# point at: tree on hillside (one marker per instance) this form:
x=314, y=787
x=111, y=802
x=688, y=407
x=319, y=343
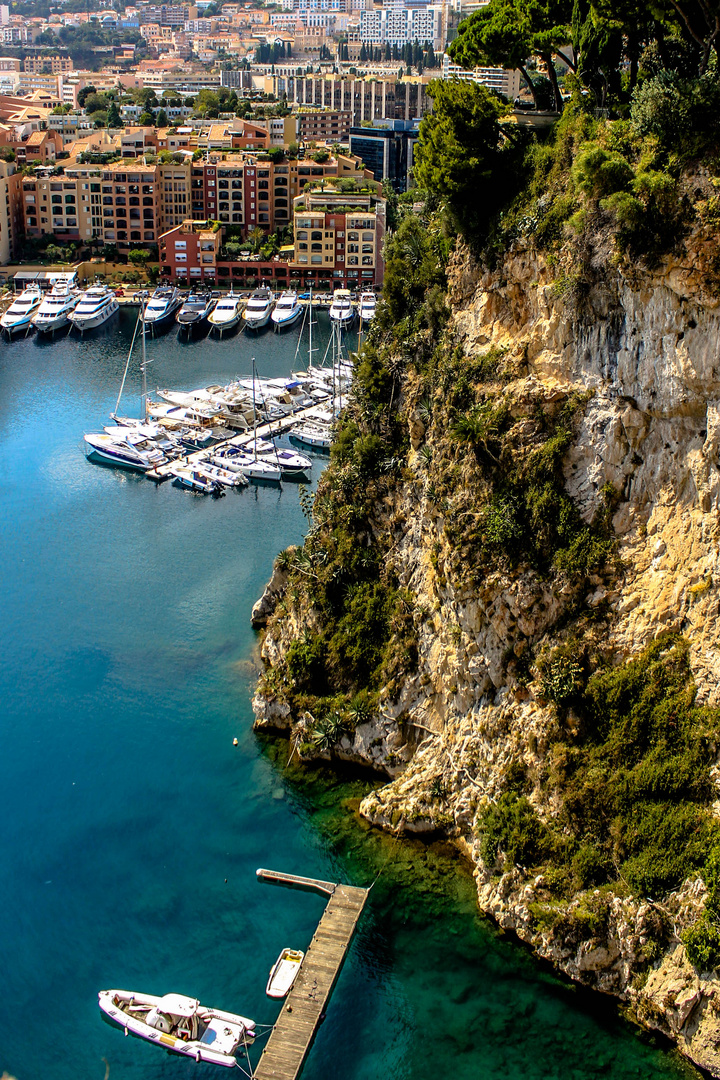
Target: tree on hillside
x=464, y=155
x=162, y=119
x=113, y=116
x=146, y=119
x=84, y=94
x=507, y=32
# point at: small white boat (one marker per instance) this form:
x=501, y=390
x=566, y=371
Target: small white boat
x=54, y=312
x=161, y=307
x=96, y=306
x=368, y=304
x=194, y=478
x=312, y=436
x=342, y=313
x=284, y=973
x=214, y=471
x=226, y=313
x=287, y=311
x=253, y=467
x=179, y=1024
x=257, y=310
x=20, y=314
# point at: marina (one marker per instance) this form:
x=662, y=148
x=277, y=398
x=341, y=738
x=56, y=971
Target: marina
x=217, y=437
x=137, y=826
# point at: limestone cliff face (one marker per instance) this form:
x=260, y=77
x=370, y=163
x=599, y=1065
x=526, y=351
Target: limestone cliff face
x=648, y=347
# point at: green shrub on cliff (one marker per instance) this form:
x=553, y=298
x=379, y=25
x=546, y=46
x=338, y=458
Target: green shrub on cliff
x=630, y=778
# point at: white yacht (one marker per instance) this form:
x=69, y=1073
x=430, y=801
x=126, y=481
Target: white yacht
x=312, y=436
x=161, y=307
x=177, y=1023
x=257, y=310
x=226, y=313
x=96, y=306
x=287, y=311
x=368, y=304
x=124, y=451
x=342, y=313
x=54, y=312
x=20, y=314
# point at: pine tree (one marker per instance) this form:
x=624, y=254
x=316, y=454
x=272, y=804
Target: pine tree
x=363, y=53
x=113, y=116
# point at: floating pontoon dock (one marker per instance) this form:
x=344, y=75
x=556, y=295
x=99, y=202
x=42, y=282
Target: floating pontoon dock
x=243, y=440
x=304, y=1007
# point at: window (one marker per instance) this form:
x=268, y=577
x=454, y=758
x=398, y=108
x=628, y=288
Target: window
x=316, y=260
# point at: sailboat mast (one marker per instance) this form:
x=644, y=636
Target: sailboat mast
x=310, y=346
x=254, y=409
x=143, y=367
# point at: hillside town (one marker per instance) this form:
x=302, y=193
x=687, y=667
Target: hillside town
x=150, y=134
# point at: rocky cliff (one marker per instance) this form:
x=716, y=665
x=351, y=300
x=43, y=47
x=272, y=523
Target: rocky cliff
x=633, y=362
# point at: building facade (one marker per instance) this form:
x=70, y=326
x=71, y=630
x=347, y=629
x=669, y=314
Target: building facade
x=387, y=149
x=11, y=212
x=338, y=239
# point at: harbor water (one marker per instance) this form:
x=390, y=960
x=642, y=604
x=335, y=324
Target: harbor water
x=131, y=827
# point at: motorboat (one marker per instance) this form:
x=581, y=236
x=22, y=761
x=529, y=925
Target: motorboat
x=342, y=313
x=195, y=311
x=257, y=310
x=284, y=972
x=96, y=305
x=192, y=478
x=226, y=313
x=19, y=315
x=287, y=311
x=250, y=465
x=179, y=1024
x=124, y=452
x=161, y=307
x=312, y=436
x=54, y=312
x=368, y=304
x=221, y=475
x=293, y=466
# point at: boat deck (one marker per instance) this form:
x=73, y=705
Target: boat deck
x=304, y=1007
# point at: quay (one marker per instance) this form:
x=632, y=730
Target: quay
x=304, y=1008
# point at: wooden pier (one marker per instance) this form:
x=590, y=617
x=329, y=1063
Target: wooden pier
x=270, y=430
x=304, y=1007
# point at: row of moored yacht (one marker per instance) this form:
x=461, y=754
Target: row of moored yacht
x=91, y=308
x=52, y=311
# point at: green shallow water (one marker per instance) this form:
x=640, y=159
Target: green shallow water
x=131, y=828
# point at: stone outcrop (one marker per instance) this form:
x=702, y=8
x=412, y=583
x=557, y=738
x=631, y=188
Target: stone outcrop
x=645, y=349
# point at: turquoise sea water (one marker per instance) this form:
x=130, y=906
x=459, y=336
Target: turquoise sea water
x=131, y=828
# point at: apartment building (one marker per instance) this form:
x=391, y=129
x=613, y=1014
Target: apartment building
x=43, y=65
x=323, y=125
x=131, y=207
x=174, y=189
x=66, y=206
x=366, y=98
x=398, y=24
x=190, y=252
x=11, y=212
x=338, y=238
x=504, y=81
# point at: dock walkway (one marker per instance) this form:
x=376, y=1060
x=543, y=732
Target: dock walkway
x=269, y=430
x=304, y=1007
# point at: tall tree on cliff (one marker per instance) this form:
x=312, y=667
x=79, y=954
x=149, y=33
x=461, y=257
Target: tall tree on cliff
x=507, y=32
x=465, y=155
